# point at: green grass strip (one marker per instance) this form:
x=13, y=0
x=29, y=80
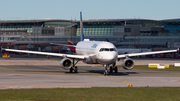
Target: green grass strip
x=93, y=94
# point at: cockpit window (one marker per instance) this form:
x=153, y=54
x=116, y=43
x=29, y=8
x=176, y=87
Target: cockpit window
x=112, y=49
x=102, y=49
x=107, y=49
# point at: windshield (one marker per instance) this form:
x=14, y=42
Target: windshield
x=107, y=49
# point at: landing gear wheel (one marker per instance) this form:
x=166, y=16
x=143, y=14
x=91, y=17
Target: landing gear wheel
x=115, y=69
x=75, y=69
x=105, y=73
x=111, y=69
x=71, y=70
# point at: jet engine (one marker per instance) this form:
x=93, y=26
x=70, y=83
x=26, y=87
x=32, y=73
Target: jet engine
x=66, y=63
x=128, y=63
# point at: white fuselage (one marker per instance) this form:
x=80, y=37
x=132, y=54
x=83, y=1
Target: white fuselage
x=97, y=52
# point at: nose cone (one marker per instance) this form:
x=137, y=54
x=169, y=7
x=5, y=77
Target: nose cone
x=107, y=58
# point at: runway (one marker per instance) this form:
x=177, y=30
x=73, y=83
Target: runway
x=43, y=73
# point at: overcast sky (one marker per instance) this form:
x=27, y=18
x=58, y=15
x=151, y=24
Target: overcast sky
x=91, y=9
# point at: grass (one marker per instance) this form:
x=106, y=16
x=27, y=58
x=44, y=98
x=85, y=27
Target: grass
x=171, y=68
x=92, y=94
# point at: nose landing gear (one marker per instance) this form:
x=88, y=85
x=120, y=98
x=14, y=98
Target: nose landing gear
x=111, y=69
x=106, y=70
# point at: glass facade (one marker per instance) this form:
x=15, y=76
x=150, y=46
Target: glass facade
x=29, y=25
x=108, y=27
x=20, y=26
x=172, y=27
x=56, y=23
x=118, y=29
x=111, y=39
x=96, y=30
x=144, y=22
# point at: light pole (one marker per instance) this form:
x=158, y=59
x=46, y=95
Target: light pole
x=3, y=40
x=0, y=38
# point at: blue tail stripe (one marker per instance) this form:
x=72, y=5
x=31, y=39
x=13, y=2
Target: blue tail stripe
x=81, y=27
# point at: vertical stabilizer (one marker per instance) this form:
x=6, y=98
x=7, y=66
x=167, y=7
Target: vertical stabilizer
x=81, y=27
x=73, y=49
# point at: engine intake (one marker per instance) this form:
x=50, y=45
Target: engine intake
x=128, y=64
x=66, y=63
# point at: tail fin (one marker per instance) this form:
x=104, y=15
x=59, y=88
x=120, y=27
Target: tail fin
x=81, y=27
x=71, y=48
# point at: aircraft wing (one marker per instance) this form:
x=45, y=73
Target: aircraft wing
x=63, y=45
x=48, y=53
x=146, y=53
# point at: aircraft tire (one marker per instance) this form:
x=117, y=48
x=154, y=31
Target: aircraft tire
x=71, y=70
x=75, y=69
x=111, y=69
x=105, y=73
x=115, y=69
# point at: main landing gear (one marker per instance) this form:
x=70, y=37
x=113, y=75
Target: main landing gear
x=111, y=69
x=74, y=67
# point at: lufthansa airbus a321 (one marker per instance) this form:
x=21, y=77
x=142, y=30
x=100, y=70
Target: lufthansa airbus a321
x=93, y=52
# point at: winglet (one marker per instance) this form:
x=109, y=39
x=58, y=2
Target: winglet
x=81, y=27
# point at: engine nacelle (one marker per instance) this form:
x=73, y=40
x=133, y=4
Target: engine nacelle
x=128, y=64
x=66, y=63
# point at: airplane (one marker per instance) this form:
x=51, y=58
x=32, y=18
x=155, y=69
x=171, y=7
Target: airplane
x=120, y=50
x=93, y=52
x=71, y=46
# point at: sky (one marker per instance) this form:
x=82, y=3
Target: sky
x=91, y=9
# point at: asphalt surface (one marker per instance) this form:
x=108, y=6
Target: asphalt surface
x=39, y=72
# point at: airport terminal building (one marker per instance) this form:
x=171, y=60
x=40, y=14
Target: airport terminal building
x=126, y=33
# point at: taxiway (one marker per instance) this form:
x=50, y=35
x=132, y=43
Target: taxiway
x=46, y=73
